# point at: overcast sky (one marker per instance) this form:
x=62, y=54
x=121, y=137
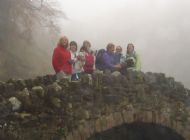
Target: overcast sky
x=159, y=29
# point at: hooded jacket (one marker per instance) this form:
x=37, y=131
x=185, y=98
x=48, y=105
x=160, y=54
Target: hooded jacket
x=61, y=60
x=135, y=56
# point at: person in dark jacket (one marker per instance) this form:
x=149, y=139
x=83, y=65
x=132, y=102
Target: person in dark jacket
x=61, y=59
x=108, y=58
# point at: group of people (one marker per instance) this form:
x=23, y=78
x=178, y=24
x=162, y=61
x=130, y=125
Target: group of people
x=70, y=63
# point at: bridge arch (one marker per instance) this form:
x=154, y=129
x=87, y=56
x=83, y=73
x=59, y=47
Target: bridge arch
x=78, y=110
x=148, y=98
x=105, y=122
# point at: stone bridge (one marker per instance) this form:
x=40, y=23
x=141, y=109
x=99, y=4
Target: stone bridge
x=46, y=109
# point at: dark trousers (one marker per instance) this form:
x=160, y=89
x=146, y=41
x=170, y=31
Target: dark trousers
x=75, y=76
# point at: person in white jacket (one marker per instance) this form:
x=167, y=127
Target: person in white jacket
x=74, y=55
x=78, y=61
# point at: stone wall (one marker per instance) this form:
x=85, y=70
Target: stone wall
x=46, y=109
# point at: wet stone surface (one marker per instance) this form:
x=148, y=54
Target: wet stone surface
x=44, y=109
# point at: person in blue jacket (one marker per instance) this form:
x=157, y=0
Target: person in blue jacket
x=109, y=60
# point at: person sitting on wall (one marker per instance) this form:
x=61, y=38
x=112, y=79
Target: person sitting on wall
x=61, y=59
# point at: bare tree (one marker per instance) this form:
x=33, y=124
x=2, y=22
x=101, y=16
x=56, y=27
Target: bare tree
x=21, y=24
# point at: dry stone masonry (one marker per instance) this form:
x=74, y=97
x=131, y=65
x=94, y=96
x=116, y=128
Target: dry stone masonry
x=46, y=109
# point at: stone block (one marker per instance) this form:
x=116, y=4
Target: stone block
x=98, y=127
x=110, y=121
x=56, y=102
x=104, y=123
x=173, y=124
x=148, y=116
x=76, y=135
x=70, y=137
x=118, y=119
x=128, y=116
x=9, y=88
x=179, y=127
x=164, y=119
x=39, y=91
x=91, y=126
x=140, y=116
x=154, y=117
x=16, y=104
x=85, y=130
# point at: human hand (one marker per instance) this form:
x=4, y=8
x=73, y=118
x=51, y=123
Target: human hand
x=71, y=61
x=118, y=66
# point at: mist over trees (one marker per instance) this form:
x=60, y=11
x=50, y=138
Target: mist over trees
x=27, y=32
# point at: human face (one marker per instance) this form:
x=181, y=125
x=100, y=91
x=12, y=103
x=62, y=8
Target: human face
x=118, y=49
x=112, y=49
x=87, y=45
x=73, y=48
x=64, y=41
x=130, y=48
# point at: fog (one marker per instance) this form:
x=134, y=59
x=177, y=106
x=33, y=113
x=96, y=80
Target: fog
x=159, y=29
x=30, y=29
